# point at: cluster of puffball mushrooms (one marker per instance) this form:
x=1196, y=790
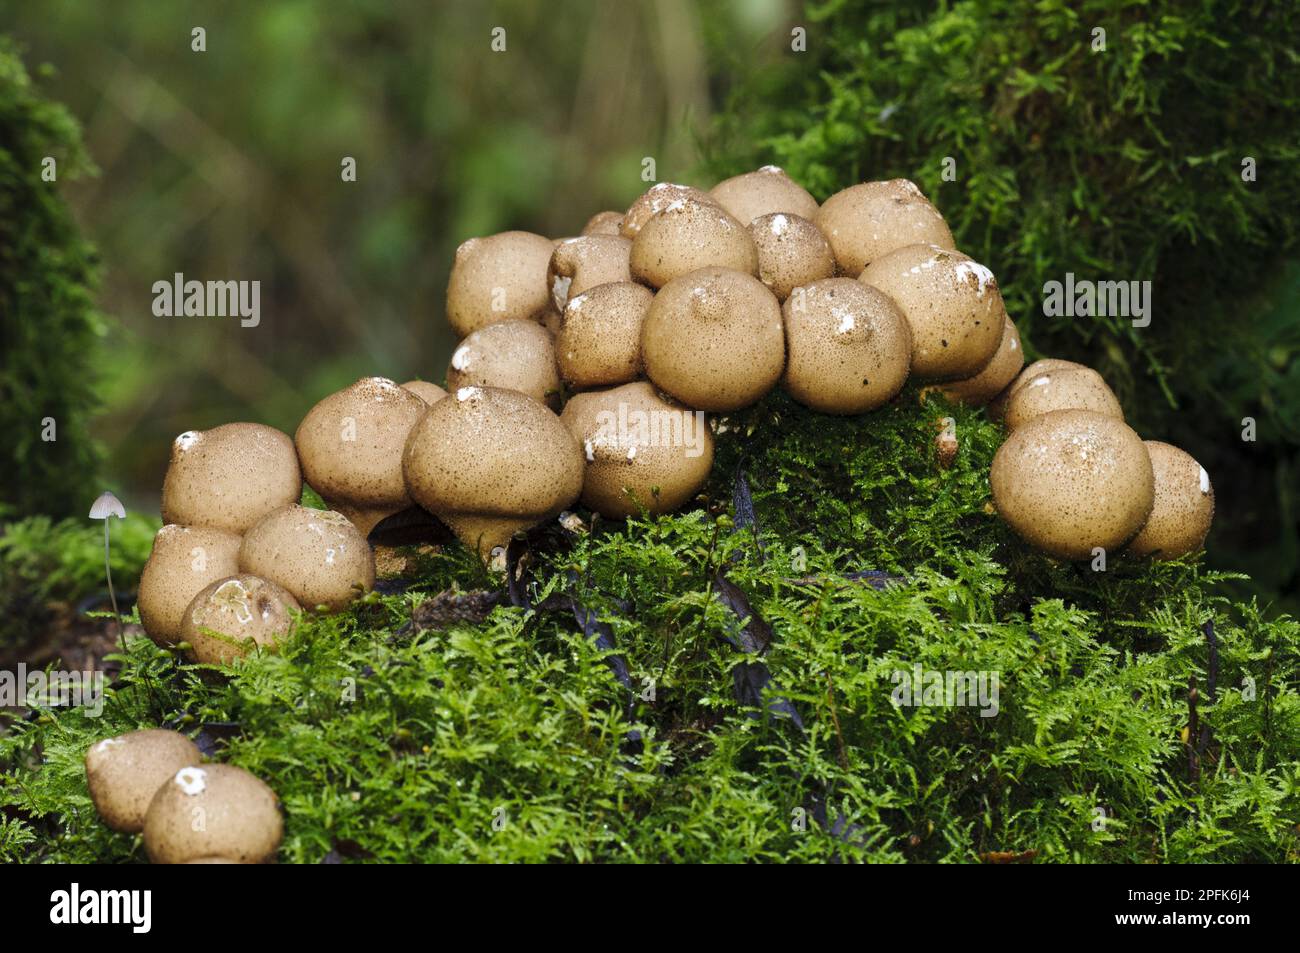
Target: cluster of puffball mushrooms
x=688, y=301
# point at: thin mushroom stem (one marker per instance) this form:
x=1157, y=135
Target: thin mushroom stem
x=112, y=596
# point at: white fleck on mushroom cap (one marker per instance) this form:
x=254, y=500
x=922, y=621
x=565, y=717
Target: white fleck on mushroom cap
x=791, y=252
x=124, y=773
x=585, y=262
x=516, y=355
x=240, y=818
x=654, y=200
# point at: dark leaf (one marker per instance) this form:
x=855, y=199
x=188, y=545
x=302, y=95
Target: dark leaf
x=412, y=526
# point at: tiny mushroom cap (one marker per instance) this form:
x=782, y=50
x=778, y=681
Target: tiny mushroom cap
x=125, y=772
x=319, y=556
x=791, y=252
x=998, y=406
x=714, y=339
x=1071, y=388
x=868, y=221
x=1184, y=506
x=184, y=560
x=490, y=462
x=763, y=192
x=427, y=392
x=996, y=376
x=233, y=615
x=643, y=452
x=106, y=505
x=350, y=448
x=241, y=817
x=848, y=346
x=689, y=234
x=516, y=355
x=229, y=477
x=498, y=278
x=600, y=341
x=604, y=223
x=581, y=263
x=952, y=304
x=1071, y=481
x=654, y=200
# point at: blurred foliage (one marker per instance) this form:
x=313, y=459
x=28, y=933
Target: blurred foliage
x=1122, y=164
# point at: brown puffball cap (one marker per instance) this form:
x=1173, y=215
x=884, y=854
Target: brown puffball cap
x=490, y=462
x=600, y=341
x=848, y=347
x=427, y=392
x=687, y=235
x=791, y=252
x=1072, y=480
x=997, y=374
x=319, y=556
x=125, y=772
x=1184, y=505
x=654, y=200
x=643, y=452
x=498, y=278
x=998, y=406
x=184, y=560
x=604, y=223
x=232, y=616
x=350, y=448
x=581, y=263
x=1069, y=388
x=241, y=817
x=865, y=222
x=714, y=339
x=515, y=355
x=763, y=192
x=229, y=477
x=952, y=303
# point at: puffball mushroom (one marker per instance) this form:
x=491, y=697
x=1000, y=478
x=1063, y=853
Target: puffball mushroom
x=427, y=392
x=763, y=192
x=319, y=556
x=604, y=223
x=791, y=252
x=998, y=406
x=1070, y=388
x=866, y=222
x=997, y=374
x=125, y=772
x=687, y=235
x=600, y=341
x=1070, y=481
x=233, y=615
x=654, y=200
x=240, y=817
x=581, y=263
x=643, y=452
x=229, y=477
x=1184, y=505
x=350, y=448
x=714, y=339
x=952, y=304
x=517, y=355
x=498, y=278
x=183, y=561
x=490, y=462
x=848, y=346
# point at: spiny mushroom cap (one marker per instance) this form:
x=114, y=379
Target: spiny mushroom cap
x=763, y=192
x=498, y=278
x=952, y=303
x=318, y=555
x=998, y=406
x=229, y=477
x=1071, y=388
x=1072, y=480
x=183, y=561
x=865, y=222
x=581, y=263
x=600, y=341
x=486, y=459
x=604, y=223
x=996, y=376
x=1184, y=505
x=714, y=339
x=240, y=817
x=791, y=252
x=125, y=772
x=427, y=392
x=654, y=200
x=516, y=355
x=687, y=235
x=848, y=347
x=350, y=448
x=231, y=616
x=643, y=452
